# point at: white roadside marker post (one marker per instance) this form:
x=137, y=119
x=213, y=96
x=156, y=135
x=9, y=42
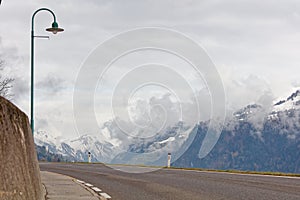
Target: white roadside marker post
x=169, y=160
x=89, y=157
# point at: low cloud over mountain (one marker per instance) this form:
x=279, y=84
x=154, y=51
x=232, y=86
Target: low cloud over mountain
x=252, y=139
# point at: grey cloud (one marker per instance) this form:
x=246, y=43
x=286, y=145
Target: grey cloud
x=12, y=62
x=296, y=83
x=51, y=84
x=20, y=89
x=253, y=37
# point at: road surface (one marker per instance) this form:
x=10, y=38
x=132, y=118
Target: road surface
x=171, y=184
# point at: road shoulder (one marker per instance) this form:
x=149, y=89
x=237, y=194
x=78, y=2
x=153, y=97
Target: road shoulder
x=61, y=187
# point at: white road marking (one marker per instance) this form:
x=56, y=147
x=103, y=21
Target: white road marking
x=105, y=195
x=89, y=185
x=96, y=189
x=79, y=181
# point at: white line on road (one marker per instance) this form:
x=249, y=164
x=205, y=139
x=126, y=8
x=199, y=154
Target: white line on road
x=96, y=189
x=79, y=181
x=105, y=195
x=89, y=185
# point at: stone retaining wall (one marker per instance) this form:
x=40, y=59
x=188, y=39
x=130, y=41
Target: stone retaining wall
x=19, y=170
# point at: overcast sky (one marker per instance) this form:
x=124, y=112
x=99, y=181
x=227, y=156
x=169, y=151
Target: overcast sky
x=255, y=46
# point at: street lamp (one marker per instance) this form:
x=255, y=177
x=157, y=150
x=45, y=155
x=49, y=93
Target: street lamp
x=54, y=29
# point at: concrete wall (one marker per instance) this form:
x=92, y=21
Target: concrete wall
x=19, y=170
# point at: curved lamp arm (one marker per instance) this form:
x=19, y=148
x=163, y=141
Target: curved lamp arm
x=41, y=9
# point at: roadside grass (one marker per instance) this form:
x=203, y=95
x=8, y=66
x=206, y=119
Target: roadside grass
x=239, y=171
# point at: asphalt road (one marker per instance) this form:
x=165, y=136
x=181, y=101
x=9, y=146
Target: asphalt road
x=172, y=184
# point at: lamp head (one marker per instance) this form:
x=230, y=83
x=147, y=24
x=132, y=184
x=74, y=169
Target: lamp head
x=55, y=29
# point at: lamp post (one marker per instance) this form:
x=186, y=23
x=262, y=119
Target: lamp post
x=54, y=29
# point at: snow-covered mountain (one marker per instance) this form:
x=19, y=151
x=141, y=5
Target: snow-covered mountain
x=247, y=112
x=281, y=108
x=254, y=138
x=153, y=150
x=104, y=151
x=292, y=102
x=76, y=149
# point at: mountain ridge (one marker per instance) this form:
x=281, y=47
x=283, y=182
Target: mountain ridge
x=253, y=139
